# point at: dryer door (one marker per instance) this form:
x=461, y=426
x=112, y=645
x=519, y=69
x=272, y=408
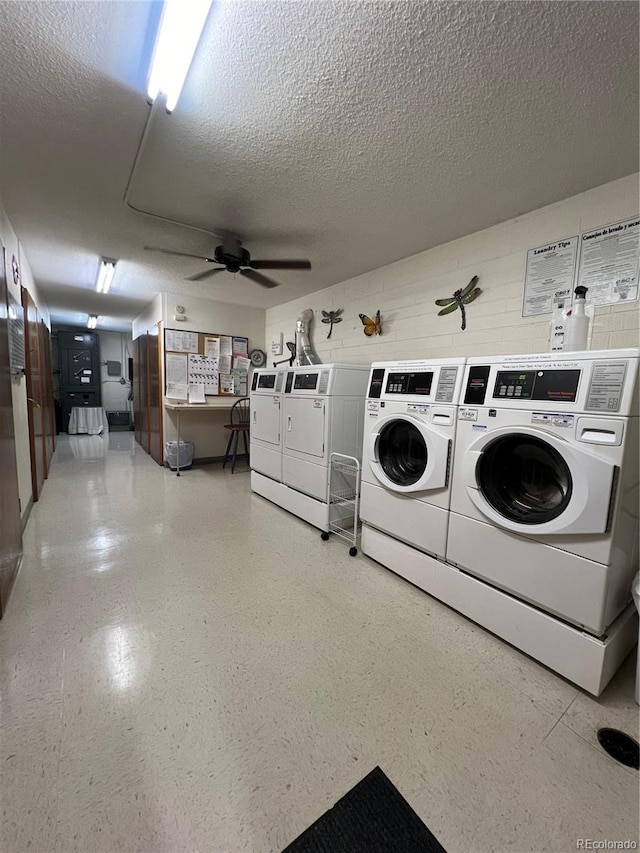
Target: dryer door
x=265, y=418
x=405, y=455
x=304, y=425
x=529, y=481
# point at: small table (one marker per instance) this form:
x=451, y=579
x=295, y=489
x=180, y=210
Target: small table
x=177, y=406
x=91, y=420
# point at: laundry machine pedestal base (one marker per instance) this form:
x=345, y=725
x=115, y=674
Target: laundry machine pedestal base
x=590, y=662
x=309, y=509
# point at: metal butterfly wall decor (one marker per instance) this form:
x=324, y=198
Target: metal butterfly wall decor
x=459, y=299
x=371, y=327
x=332, y=317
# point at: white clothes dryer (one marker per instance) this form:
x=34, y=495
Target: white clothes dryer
x=409, y=433
x=265, y=437
x=322, y=413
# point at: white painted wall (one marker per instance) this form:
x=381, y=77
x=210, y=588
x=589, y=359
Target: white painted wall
x=405, y=291
x=148, y=319
x=204, y=428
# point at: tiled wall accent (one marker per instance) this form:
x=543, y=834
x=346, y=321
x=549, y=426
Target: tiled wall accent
x=405, y=291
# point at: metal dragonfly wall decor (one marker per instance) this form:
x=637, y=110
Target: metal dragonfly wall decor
x=459, y=299
x=332, y=317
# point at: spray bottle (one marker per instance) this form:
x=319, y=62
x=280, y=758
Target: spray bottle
x=576, y=330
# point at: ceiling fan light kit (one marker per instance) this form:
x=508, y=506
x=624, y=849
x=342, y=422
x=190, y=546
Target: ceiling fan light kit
x=179, y=32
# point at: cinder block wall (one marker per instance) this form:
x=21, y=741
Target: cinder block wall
x=405, y=291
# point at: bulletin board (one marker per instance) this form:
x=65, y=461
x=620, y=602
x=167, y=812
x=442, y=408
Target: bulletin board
x=216, y=361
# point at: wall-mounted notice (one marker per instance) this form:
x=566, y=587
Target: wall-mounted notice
x=549, y=278
x=226, y=383
x=239, y=378
x=181, y=341
x=16, y=335
x=226, y=345
x=203, y=370
x=240, y=346
x=241, y=363
x=609, y=263
x=212, y=347
x=176, y=369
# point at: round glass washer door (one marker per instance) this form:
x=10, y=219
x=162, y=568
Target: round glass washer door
x=402, y=452
x=524, y=479
x=406, y=455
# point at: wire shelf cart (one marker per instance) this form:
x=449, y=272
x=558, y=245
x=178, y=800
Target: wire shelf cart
x=344, y=499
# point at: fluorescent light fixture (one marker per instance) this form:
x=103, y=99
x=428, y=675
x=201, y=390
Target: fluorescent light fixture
x=105, y=274
x=178, y=35
x=93, y=321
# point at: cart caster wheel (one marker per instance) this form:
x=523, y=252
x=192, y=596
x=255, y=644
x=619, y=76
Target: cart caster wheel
x=324, y=535
x=353, y=551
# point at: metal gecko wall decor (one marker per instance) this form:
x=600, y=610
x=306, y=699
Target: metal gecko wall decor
x=459, y=299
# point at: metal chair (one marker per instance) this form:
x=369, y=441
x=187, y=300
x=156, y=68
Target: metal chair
x=238, y=425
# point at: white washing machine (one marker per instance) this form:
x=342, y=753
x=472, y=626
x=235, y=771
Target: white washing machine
x=544, y=506
x=266, y=422
x=322, y=413
x=409, y=433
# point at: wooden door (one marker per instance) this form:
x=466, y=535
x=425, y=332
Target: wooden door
x=10, y=529
x=35, y=395
x=49, y=415
x=135, y=382
x=147, y=395
x=141, y=408
x=154, y=398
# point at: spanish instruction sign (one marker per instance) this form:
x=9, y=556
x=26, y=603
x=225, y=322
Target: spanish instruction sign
x=549, y=277
x=609, y=263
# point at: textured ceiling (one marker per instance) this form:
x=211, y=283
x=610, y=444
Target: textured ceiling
x=350, y=133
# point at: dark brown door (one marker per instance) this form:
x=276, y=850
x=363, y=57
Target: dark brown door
x=35, y=394
x=155, y=398
x=147, y=395
x=141, y=392
x=47, y=386
x=10, y=530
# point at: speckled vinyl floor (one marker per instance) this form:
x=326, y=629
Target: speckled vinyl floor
x=186, y=667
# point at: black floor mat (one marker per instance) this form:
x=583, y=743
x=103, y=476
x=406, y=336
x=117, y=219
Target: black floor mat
x=372, y=818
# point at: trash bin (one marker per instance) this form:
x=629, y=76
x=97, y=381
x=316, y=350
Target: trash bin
x=184, y=455
x=635, y=591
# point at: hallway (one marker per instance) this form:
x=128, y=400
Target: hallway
x=186, y=667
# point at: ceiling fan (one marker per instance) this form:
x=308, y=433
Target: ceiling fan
x=234, y=258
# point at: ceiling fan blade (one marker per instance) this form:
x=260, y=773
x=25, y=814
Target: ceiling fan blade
x=199, y=276
x=259, y=278
x=280, y=265
x=179, y=254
